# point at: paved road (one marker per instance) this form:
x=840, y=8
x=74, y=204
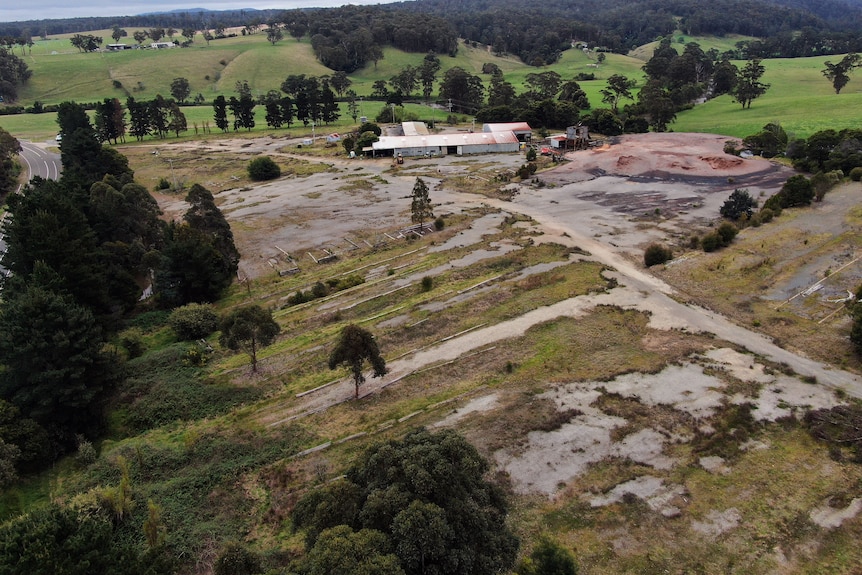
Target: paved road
x=39, y=161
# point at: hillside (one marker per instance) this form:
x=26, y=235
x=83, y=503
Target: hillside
x=696, y=416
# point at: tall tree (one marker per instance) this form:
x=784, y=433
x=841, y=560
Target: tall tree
x=139, y=36
x=839, y=74
x=110, y=120
x=420, y=206
x=176, y=119
x=544, y=85
x=220, y=113
x=180, y=89
x=464, y=89
x=656, y=103
x=158, y=109
x=204, y=216
x=139, y=118
x=355, y=346
x=427, y=74
x=249, y=328
x=13, y=73
x=619, y=87
x=340, y=82
x=9, y=149
x=51, y=350
x=274, y=33
x=117, y=33
x=748, y=85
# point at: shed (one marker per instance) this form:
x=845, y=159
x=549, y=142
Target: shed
x=522, y=130
x=445, y=144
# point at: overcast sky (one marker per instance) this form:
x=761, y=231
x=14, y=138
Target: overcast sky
x=15, y=10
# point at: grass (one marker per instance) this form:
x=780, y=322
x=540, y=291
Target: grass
x=799, y=98
x=204, y=447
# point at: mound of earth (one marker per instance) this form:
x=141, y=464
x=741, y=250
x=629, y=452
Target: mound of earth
x=671, y=156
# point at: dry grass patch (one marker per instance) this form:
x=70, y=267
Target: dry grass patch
x=598, y=346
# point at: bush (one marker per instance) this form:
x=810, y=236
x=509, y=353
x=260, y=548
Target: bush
x=531, y=154
x=856, y=174
x=263, y=168
x=711, y=242
x=237, y=560
x=727, y=232
x=193, y=321
x=738, y=204
x=132, y=340
x=439, y=224
x=656, y=254
x=427, y=283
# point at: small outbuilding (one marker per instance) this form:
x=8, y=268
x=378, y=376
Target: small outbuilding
x=522, y=130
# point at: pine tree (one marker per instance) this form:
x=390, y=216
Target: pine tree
x=420, y=208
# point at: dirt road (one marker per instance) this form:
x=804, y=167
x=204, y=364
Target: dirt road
x=562, y=220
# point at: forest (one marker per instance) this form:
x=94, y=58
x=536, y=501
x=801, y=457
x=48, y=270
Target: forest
x=349, y=37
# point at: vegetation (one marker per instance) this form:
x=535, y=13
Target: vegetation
x=208, y=470
x=656, y=254
x=249, y=328
x=263, y=168
x=420, y=206
x=193, y=321
x=423, y=499
x=740, y=204
x=356, y=346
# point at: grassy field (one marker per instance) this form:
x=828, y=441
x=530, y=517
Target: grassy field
x=800, y=98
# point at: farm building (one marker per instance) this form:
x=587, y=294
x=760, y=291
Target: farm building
x=118, y=47
x=521, y=129
x=460, y=144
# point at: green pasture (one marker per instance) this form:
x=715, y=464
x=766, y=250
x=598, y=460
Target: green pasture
x=800, y=98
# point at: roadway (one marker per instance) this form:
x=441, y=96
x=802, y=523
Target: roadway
x=37, y=161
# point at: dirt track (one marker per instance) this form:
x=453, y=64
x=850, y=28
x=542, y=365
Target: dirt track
x=696, y=170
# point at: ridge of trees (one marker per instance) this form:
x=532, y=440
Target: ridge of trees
x=78, y=250
x=347, y=38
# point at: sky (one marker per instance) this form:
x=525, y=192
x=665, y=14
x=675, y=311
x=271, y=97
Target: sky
x=16, y=10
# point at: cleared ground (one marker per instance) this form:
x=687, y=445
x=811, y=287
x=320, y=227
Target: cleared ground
x=629, y=416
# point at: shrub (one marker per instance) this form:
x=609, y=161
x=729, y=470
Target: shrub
x=856, y=174
x=711, y=242
x=730, y=148
x=727, y=232
x=439, y=224
x=531, y=154
x=427, y=283
x=132, y=340
x=796, y=191
x=656, y=254
x=163, y=184
x=738, y=204
x=263, y=168
x=193, y=321
x=237, y=560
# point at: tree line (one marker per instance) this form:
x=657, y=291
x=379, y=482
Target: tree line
x=78, y=250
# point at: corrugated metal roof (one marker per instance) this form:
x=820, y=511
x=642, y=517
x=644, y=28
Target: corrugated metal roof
x=444, y=140
x=507, y=127
x=414, y=128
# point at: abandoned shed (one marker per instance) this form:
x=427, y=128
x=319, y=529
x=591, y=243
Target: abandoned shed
x=460, y=144
x=522, y=130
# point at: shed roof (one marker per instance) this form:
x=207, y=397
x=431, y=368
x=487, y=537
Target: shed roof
x=443, y=140
x=507, y=127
